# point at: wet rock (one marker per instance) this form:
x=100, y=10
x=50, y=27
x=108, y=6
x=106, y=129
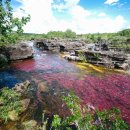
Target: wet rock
x=20, y=51
x=25, y=104
x=99, y=53
x=42, y=87
x=3, y=61
x=106, y=58
x=22, y=87
x=123, y=66
x=72, y=58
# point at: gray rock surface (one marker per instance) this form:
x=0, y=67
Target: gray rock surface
x=20, y=51
x=98, y=54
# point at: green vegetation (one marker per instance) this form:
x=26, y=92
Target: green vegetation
x=69, y=34
x=10, y=105
x=87, y=118
x=82, y=117
x=119, y=40
x=82, y=56
x=3, y=61
x=10, y=27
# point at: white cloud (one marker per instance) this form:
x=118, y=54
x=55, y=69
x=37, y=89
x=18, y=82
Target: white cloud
x=80, y=20
x=102, y=14
x=110, y=2
x=78, y=12
x=93, y=25
x=66, y=4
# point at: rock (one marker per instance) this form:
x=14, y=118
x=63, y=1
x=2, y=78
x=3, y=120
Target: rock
x=42, y=87
x=72, y=58
x=29, y=124
x=25, y=104
x=20, y=51
x=117, y=56
x=59, y=45
x=96, y=53
x=123, y=66
x=3, y=61
x=22, y=87
x=50, y=45
x=13, y=115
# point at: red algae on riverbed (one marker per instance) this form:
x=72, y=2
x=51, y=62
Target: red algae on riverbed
x=102, y=90
x=103, y=93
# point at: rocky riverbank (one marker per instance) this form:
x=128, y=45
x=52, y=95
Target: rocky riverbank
x=15, y=52
x=97, y=54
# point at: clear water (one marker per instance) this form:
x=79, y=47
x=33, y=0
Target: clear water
x=99, y=87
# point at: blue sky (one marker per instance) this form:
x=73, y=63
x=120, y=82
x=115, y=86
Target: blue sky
x=82, y=16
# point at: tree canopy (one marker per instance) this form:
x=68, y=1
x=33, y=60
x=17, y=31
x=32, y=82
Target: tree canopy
x=10, y=26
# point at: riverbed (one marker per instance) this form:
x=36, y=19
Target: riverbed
x=99, y=87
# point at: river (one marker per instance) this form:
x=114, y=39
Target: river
x=96, y=86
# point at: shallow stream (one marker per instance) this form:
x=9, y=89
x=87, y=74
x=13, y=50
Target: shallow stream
x=96, y=86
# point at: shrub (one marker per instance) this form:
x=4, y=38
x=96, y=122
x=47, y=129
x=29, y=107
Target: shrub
x=9, y=104
x=88, y=118
x=10, y=27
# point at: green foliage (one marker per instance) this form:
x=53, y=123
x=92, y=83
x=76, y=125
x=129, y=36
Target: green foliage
x=3, y=61
x=82, y=118
x=56, y=122
x=125, y=32
x=82, y=56
x=55, y=34
x=70, y=34
x=9, y=102
x=10, y=27
x=87, y=118
x=97, y=56
x=59, y=34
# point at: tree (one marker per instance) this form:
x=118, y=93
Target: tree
x=125, y=32
x=70, y=34
x=10, y=27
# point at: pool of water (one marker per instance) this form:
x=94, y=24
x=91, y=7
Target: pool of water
x=99, y=87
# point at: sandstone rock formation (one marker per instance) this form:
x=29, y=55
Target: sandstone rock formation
x=22, y=87
x=20, y=51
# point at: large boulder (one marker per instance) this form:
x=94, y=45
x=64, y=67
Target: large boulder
x=71, y=45
x=50, y=45
x=20, y=51
x=57, y=45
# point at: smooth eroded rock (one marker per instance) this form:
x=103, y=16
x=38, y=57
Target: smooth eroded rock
x=20, y=51
x=42, y=87
x=22, y=87
x=25, y=104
